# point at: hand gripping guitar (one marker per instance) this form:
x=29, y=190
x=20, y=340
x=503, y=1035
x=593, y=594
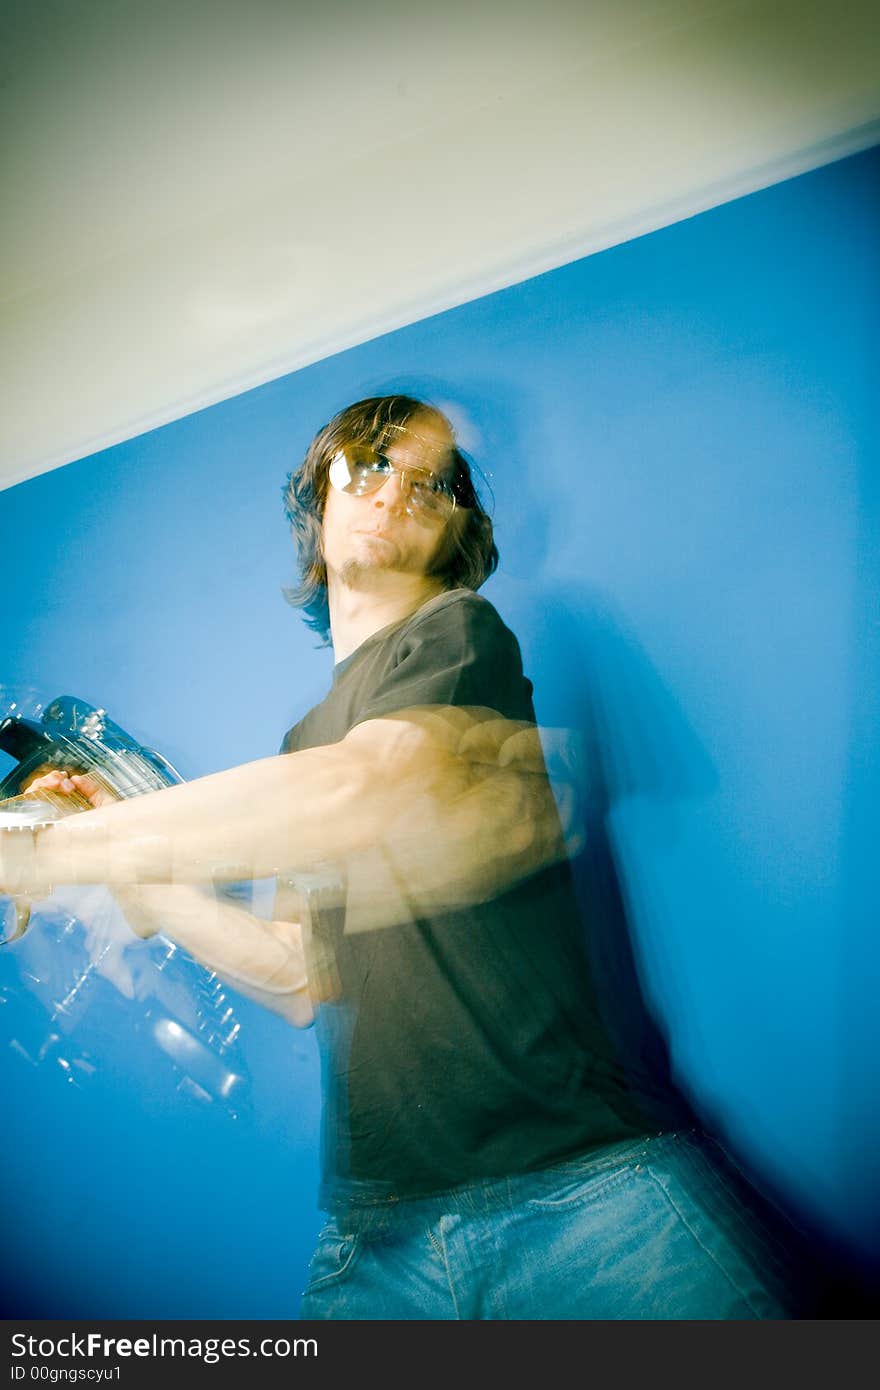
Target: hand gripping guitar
x=72, y=736
x=76, y=971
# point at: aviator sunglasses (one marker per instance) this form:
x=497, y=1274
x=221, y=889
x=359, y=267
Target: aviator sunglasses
x=360, y=469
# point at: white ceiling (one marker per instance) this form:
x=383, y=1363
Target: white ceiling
x=200, y=195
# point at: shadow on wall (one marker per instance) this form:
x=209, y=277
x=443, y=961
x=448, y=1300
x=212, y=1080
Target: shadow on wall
x=634, y=742
x=630, y=741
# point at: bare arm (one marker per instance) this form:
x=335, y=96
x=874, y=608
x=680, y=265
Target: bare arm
x=249, y=822
x=264, y=960
x=432, y=807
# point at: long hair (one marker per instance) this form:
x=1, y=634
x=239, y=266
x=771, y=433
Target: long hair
x=466, y=559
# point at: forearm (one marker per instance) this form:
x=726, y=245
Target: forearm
x=426, y=810
x=263, y=959
x=252, y=821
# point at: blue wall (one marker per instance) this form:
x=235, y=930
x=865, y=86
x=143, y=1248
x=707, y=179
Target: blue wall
x=680, y=434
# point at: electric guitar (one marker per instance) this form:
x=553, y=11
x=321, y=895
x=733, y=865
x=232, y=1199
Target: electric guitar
x=81, y=972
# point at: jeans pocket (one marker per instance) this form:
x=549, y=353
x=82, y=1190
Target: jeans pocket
x=334, y=1258
x=583, y=1181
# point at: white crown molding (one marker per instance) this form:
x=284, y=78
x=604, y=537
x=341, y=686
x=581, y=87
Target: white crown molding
x=578, y=160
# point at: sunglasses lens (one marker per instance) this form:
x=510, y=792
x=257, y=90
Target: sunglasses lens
x=431, y=494
x=359, y=470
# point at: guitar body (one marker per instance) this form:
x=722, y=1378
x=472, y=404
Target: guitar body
x=84, y=980
x=75, y=736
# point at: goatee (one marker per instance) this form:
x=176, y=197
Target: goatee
x=356, y=574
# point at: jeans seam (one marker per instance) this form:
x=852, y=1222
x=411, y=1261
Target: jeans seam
x=716, y=1262
x=448, y=1275
x=764, y=1242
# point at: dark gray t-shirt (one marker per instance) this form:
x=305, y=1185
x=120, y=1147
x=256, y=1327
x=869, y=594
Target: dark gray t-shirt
x=470, y=1045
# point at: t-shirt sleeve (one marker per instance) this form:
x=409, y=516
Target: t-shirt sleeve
x=459, y=653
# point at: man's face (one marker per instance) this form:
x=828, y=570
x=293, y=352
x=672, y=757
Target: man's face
x=372, y=535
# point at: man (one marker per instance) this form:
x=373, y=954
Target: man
x=484, y=1155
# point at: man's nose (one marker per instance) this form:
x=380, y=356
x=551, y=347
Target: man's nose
x=393, y=494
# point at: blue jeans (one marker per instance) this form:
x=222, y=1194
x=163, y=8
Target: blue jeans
x=656, y=1228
